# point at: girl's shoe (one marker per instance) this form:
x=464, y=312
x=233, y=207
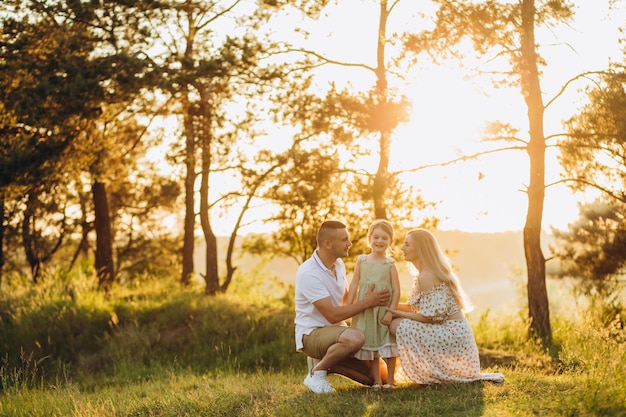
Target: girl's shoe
x=376, y=387
x=389, y=386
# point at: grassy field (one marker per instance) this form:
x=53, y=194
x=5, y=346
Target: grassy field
x=160, y=351
x=185, y=393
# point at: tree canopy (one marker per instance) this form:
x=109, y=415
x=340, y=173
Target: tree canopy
x=254, y=122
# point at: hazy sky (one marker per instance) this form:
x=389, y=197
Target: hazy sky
x=496, y=202
x=450, y=110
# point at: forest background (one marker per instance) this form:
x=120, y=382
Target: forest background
x=136, y=136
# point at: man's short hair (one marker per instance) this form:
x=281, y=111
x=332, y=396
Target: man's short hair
x=325, y=230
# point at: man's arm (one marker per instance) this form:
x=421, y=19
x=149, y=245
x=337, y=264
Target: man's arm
x=335, y=314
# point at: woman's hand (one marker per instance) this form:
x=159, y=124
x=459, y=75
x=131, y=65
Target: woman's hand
x=404, y=307
x=395, y=313
x=409, y=315
x=386, y=320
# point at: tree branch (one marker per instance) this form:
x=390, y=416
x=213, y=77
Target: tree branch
x=326, y=60
x=571, y=80
x=463, y=158
x=591, y=184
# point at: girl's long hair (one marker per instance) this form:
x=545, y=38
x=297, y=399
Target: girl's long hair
x=433, y=259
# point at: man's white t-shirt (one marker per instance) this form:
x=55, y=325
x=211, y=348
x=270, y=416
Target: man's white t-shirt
x=314, y=282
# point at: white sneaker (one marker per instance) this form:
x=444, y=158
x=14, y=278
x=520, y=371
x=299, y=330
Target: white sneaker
x=318, y=383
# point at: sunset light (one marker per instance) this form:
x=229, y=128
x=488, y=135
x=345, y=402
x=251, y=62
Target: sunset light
x=453, y=105
x=313, y=208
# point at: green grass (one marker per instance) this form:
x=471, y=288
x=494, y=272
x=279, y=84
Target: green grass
x=185, y=393
x=157, y=350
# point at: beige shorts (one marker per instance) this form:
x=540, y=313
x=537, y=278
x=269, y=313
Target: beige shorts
x=319, y=340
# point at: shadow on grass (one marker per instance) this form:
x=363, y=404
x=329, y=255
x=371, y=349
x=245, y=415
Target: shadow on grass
x=497, y=358
x=465, y=400
x=501, y=360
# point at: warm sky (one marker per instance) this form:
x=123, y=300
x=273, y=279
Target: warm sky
x=495, y=203
x=450, y=111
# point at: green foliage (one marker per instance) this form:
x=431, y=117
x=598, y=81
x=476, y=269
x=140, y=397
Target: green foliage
x=71, y=77
x=593, y=250
x=52, y=84
x=157, y=326
x=593, y=153
x=595, y=353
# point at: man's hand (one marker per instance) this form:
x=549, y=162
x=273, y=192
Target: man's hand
x=376, y=298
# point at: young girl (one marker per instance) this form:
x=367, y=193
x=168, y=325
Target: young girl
x=379, y=269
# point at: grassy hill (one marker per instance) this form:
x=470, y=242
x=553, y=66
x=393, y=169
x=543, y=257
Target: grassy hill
x=157, y=350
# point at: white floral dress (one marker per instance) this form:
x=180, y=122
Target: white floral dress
x=440, y=352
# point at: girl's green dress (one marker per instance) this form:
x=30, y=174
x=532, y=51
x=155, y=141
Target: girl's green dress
x=378, y=341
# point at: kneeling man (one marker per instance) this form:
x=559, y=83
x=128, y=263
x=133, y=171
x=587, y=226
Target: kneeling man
x=321, y=311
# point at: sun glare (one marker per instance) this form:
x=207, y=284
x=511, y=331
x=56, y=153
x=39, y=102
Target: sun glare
x=450, y=112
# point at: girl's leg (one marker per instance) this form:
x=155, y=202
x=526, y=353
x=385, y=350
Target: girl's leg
x=391, y=368
x=383, y=370
x=376, y=371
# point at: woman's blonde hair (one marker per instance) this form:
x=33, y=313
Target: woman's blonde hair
x=433, y=259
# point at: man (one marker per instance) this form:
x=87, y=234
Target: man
x=321, y=293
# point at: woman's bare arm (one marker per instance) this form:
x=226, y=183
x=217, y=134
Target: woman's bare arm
x=412, y=315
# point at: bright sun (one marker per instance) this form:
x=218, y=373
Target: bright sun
x=450, y=111
x=448, y=117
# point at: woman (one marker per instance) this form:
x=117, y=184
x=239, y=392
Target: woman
x=435, y=340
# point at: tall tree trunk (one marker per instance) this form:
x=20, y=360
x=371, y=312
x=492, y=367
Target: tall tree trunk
x=85, y=228
x=382, y=177
x=382, y=173
x=211, y=277
x=2, y=227
x=28, y=238
x=538, y=305
x=105, y=268
x=230, y=268
x=190, y=179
